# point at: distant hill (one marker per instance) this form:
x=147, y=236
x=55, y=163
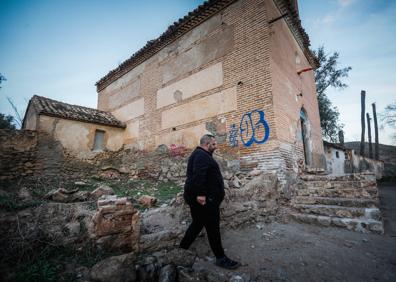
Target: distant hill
x=387, y=153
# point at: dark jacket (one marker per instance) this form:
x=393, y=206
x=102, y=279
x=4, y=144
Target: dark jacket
x=203, y=178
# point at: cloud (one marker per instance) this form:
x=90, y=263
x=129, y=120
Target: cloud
x=345, y=3
x=335, y=15
x=324, y=21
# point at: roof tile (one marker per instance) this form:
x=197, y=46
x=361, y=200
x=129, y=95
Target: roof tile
x=193, y=19
x=46, y=106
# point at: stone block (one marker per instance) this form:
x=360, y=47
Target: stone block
x=147, y=201
x=117, y=224
x=101, y=190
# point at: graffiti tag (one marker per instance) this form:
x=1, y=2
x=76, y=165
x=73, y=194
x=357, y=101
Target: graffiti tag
x=254, y=128
x=233, y=136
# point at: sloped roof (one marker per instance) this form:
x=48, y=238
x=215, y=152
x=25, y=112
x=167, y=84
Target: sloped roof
x=49, y=107
x=176, y=30
x=193, y=19
x=334, y=145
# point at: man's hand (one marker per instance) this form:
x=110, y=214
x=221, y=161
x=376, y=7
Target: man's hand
x=201, y=200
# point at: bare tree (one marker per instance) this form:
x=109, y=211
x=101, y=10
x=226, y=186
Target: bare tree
x=18, y=119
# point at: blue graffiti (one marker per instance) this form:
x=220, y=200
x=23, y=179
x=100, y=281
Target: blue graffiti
x=254, y=128
x=233, y=136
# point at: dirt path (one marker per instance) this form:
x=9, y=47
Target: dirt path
x=300, y=252
x=388, y=207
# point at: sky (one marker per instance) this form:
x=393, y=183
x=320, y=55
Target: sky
x=364, y=34
x=59, y=49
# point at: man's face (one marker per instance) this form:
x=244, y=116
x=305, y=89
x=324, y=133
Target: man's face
x=212, y=145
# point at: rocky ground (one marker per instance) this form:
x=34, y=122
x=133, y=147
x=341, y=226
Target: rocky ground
x=269, y=250
x=301, y=252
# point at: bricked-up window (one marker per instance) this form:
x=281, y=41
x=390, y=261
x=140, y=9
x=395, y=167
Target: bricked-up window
x=99, y=140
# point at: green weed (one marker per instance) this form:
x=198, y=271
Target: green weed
x=10, y=203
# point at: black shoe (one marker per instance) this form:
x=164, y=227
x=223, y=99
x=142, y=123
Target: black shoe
x=227, y=263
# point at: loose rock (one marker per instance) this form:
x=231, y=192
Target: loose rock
x=147, y=201
x=115, y=269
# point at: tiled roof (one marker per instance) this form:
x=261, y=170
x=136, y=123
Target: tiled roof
x=193, y=19
x=49, y=107
x=337, y=146
x=177, y=29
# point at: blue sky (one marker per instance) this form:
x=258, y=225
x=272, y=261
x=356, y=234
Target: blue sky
x=364, y=33
x=60, y=49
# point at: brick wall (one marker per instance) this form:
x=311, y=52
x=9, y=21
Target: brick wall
x=250, y=52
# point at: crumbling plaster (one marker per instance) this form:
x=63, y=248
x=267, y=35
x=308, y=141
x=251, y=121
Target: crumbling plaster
x=218, y=103
x=78, y=137
x=31, y=119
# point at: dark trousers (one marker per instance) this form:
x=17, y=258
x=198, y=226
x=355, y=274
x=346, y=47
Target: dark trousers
x=207, y=216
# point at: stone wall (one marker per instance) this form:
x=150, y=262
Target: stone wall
x=27, y=154
x=18, y=154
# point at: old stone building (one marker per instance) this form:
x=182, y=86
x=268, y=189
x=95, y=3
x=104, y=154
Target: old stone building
x=80, y=130
x=239, y=69
x=341, y=160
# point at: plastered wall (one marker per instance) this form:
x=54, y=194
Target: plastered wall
x=344, y=161
x=31, y=119
x=335, y=160
x=78, y=137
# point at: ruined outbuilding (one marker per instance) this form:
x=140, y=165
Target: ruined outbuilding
x=341, y=160
x=80, y=130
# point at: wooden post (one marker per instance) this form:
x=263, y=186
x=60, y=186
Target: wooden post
x=376, y=152
x=363, y=108
x=341, y=137
x=369, y=135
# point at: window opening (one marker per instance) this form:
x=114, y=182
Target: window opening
x=99, y=140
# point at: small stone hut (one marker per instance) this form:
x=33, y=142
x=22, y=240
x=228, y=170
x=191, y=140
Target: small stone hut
x=80, y=130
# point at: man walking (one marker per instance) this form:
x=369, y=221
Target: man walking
x=204, y=192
